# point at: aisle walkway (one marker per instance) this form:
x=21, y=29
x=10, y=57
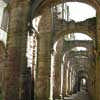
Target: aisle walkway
x=79, y=96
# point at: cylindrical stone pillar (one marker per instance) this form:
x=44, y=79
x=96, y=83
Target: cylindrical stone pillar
x=16, y=49
x=42, y=87
x=43, y=72
x=2, y=69
x=98, y=57
x=57, y=81
x=64, y=81
x=67, y=81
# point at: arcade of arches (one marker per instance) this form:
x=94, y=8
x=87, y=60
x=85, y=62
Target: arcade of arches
x=44, y=54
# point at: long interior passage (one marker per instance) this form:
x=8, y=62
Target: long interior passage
x=52, y=55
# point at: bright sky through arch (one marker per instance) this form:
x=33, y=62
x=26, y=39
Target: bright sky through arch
x=80, y=11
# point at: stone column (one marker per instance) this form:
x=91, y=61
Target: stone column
x=72, y=80
x=42, y=90
x=2, y=68
x=69, y=81
x=57, y=81
x=16, y=49
x=44, y=63
x=52, y=74
x=64, y=80
x=98, y=57
x=34, y=65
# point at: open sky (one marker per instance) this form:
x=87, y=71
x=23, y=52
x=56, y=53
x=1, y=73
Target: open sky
x=80, y=11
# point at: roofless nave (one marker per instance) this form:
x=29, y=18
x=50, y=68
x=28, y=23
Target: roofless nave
x=42, y=57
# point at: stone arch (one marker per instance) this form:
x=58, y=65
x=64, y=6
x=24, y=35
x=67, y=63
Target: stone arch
x=74, y=44
x=94, y=3
x=47, y=18
x=81, y=44
x=90, y=34
x=67, y=58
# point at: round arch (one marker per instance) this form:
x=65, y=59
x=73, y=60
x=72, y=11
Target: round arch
x=87, y=44
x=94, y=3
x=88, y=33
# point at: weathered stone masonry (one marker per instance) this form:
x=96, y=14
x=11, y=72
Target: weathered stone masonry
x=16, y=50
